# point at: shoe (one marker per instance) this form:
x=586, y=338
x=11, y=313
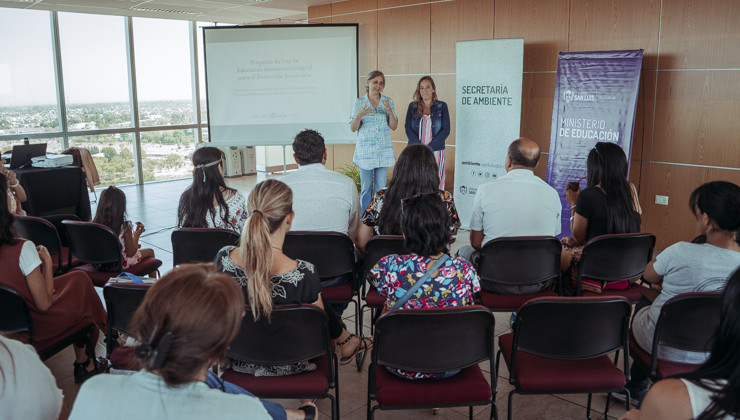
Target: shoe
x=100, y=364
x=310, y=410
x=637, y=394
x=365, y=345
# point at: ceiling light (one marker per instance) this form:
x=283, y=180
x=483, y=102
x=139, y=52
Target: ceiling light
x=151, y=9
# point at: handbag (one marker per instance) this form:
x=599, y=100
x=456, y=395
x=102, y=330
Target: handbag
x=400, y=302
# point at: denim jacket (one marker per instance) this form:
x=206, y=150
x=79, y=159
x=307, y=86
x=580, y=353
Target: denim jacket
x=440, y=125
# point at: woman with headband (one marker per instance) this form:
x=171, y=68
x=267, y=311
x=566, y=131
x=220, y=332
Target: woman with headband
x=208, y=202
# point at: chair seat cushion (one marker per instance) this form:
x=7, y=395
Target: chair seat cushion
x=314, y=383
x=100, y=278
x=468, y=386
x=124, y=358
x=343, y=292
x=65, y=257
x=665, y=368
x=632, y=293
x=510, y=302
x=543, y=374
x=373, y=298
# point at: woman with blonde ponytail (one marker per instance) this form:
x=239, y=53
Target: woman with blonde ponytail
x=268, y=277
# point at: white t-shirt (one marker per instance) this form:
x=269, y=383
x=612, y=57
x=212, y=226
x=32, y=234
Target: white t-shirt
x=144, y=395
x=517, y=204
x=685, y=268
x=29, y=258
x=323, y=200
x=28, y=390
x=700, y=397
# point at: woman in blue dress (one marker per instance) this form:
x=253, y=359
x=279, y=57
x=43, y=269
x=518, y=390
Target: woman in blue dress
x=373, y=117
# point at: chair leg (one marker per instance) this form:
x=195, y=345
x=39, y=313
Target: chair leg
x=511, y=396
x=608, y=400
x=470, y=412
x=588, y=407
x=494, y=410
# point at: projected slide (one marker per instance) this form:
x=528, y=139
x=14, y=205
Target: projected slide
x=265, y=84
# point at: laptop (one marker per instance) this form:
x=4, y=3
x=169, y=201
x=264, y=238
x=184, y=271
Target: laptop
x=22, y=154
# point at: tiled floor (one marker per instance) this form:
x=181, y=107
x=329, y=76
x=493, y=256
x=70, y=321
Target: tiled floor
x=155, y=205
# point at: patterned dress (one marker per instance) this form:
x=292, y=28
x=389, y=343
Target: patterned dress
x=425, y=135
x=372, y=213
x=373, y=148
x=237, y=205
x=454, y=286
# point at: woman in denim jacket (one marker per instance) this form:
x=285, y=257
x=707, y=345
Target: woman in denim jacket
x=428, y=122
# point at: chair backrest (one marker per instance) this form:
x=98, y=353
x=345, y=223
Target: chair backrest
x=380, y=246
x=572, y=328
x=56, y=220
x=688, y=322
x=293, y=334
x=191, y=245
x=39, y=231
x=434, y=340
x=332, y=253
x=520, y=261
x=93, y=243
x=121, y=301
x=14, y=314
x=611, y=258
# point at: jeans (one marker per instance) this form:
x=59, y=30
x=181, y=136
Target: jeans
x=368, y=190
x=276, y=411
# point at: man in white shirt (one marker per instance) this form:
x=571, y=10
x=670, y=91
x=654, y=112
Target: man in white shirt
x=323, y=200
x=517, y=204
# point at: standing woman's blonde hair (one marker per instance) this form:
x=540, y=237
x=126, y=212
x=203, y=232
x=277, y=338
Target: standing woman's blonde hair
x=269, y=203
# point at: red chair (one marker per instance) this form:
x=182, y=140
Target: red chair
x=561, y=345
x=96, y=244
x=15, y=318
x=333, y=255
x=375, y=249
x=43, y=232
x=191, y=245
x=612, y=258
x=509, y=267
x=686, y=322
x=433, y=340
x=294, y=333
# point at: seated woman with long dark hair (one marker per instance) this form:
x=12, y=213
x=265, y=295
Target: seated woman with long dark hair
x=269, y=277
x=608, y=206
x=209, y=202
x=710, y=392
x=58, y=306
x=451, y=282
x=689, y=267
x=415, y=172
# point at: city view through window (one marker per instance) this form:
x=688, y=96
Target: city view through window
x=89, y=63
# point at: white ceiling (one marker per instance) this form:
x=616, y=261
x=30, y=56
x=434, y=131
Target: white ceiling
x=220, y=11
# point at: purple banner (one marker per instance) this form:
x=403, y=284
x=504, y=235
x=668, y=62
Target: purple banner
x=595, y=100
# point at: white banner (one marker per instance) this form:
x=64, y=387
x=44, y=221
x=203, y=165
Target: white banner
x=488, y=114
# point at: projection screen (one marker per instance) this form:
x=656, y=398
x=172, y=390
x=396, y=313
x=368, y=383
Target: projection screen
x=264, y=84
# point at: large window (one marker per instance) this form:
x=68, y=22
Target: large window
x=28, y=99
x=90, y=64
x=95, y=71
x=163, y=72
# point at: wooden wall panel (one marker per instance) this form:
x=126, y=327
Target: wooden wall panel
x=450, y=169
x=460, y=20
x=382, y=4
x=537, y=98
x=367, y=33
x=403, y=40
x=696, y=118
x=542, y=23
x=597, y=25
x=353, y=6
x=329, y=157
x=318, y=14
x=643, y=133
x=343, y=155
x=401, y=90
x=675, y=222
x=700, y=34
x=446, y=87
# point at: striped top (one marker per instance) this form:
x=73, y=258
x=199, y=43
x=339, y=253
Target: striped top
x=374, y=148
